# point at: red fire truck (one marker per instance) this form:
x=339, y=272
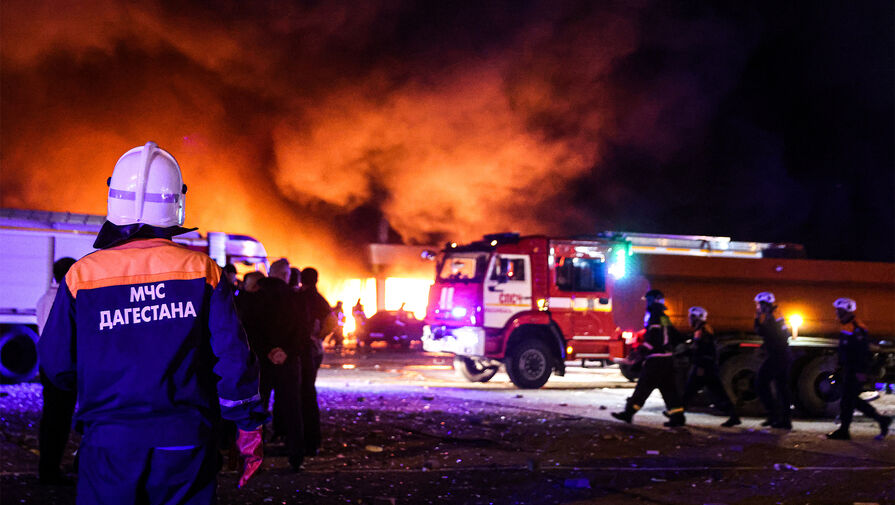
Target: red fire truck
x=530, y=304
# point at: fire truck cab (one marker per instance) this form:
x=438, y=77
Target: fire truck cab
x=528, y=303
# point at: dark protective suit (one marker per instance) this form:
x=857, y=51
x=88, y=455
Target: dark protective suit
x=854, y=360
x=148, y=332
x=278, y=322
x=316, y=321
x=58, y=409
x=775, y=368
x=658, y=365
x=251, y=313
x=55, y=425
x=704, y=371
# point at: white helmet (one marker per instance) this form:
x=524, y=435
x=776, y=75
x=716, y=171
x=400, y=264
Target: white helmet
x=699, y=313
x=846, y=304
x=146, y=187
x=766, y=297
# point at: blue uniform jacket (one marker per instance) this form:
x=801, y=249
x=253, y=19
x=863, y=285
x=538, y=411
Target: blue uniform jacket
x=148, y=333
x=854, y=348
x=703, y=350
x=775, y=336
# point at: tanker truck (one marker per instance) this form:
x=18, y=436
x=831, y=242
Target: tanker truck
x=531, y=304
x=33, y=240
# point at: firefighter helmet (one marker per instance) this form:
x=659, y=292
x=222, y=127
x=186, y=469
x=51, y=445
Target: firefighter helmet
x=698, y=313
x=765, y=297
x=146, y=187
x=846, y=304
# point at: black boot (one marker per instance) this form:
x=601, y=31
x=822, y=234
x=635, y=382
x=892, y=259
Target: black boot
x=734, y=420
x=626, y=415
x=840, y=434
x=785, y=424
x=675, y=420
x=769, y=422
x=884, y=422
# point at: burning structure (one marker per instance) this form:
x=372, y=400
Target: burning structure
x=399, y=278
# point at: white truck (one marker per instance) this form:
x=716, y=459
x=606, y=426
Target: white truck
x=33, y=240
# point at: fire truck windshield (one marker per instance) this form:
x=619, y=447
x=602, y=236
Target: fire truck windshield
x=463, y=267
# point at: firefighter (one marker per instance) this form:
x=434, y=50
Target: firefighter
x=338, y=334
x=360, y=317
x=854, y=363
x=149, y=329
x=360, y=323
x=658, y=364
x=704, y=372
x=58, y=404
x=317, y=320
x=775, y=367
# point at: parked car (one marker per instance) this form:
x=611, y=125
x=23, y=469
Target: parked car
x=395, y=327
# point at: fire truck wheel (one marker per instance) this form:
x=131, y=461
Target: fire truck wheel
x=473, y=370
x=18, y=354
x=529, y=364
x=738, y=376
x=817, y=393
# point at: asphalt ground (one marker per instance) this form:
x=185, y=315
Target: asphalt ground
x=401, y=428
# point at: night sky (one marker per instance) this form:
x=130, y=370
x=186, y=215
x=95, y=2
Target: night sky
x=305, y=123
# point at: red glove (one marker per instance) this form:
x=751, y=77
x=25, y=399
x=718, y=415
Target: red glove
x=251, y=447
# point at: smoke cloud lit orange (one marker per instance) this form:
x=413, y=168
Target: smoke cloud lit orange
x=453, y=158
x=288, y=120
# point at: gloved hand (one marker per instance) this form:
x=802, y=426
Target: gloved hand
x=277, y=356
x=251, y=447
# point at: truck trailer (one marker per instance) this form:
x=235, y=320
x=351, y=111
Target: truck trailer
x=530, y=304
x=33, y=240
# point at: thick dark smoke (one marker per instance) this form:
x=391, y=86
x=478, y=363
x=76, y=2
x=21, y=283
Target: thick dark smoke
x=306, y=123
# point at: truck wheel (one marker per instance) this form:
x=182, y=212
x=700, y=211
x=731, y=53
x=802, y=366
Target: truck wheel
x=529, y=364
x=738, y=376
x=817, y=391
x=630, y=372
x=473, y=370
x=18, y=354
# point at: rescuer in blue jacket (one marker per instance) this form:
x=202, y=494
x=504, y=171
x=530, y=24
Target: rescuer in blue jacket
x=854, y=363
x=658, y=364
x=775, y=368
x=147, y=331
